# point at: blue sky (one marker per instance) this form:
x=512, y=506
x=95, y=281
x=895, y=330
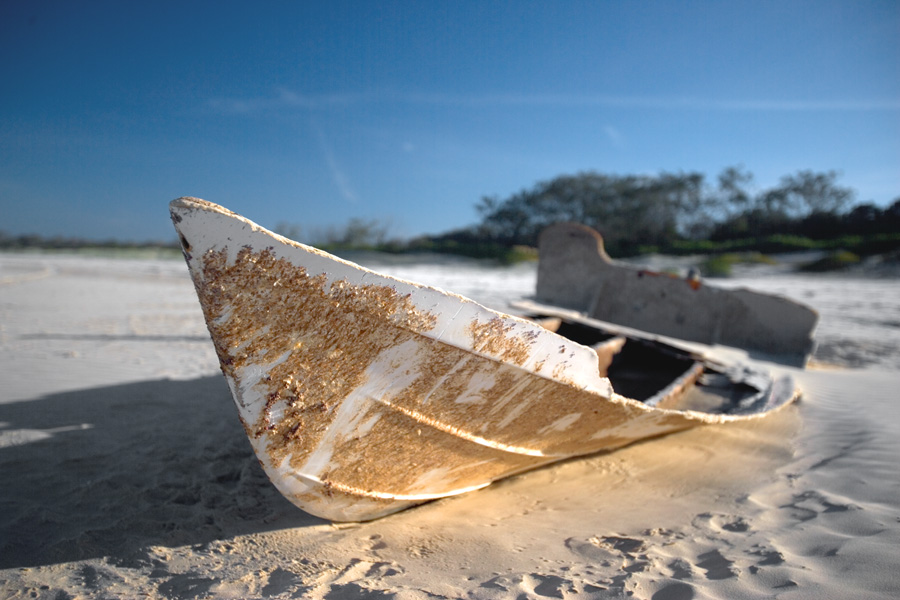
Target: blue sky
x=409, y=112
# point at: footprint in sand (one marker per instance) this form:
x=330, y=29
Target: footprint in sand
x=811, y=504
x=529, y=585
x=714, y=522
x=186, y=585
x=281, y=581
x=674, y=591
x=594, y=554
x=604, y=550
x=716, y=565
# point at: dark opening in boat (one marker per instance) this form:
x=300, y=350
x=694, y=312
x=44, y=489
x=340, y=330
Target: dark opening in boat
x=654, y=372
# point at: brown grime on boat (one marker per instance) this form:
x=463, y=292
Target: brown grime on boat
x=315, y=338
x=492, y=338
x=316, y=343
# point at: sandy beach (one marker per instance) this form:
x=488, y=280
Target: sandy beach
x=125, y=473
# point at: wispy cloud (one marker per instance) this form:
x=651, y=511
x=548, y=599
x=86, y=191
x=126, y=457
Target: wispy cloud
x=340, y=179
x=286, y=99
x=613, y=134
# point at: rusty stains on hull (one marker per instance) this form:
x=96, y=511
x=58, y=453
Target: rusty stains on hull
x=359, y=402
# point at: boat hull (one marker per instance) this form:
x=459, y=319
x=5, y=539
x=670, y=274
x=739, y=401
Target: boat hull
x=575, y=272
x=362, y=394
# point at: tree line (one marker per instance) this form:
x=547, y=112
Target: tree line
x=59, y=242
x=675, y=212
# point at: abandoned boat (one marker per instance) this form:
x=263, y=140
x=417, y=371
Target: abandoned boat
x=362, y=394
x=576, y=272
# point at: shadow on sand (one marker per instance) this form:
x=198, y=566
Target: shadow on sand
x=113, y=471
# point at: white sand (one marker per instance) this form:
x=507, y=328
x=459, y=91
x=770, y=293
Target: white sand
x=124, y=472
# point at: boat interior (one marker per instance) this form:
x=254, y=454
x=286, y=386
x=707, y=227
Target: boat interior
x=656, y=373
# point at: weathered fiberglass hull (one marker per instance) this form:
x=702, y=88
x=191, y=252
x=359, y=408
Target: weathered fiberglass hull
x=362, y=394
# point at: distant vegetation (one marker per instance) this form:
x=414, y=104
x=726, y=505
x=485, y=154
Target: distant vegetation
x=360, y=234
x=672, y=213
x=720, y=265
x=833, y=261
x=681, y=214
x=28, y=242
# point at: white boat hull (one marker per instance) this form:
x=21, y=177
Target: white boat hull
x=575, y=272
x=362, y=394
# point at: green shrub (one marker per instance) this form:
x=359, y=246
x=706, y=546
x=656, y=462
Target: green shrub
x=718, y=265
x=834, y=261
x=758, y=258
